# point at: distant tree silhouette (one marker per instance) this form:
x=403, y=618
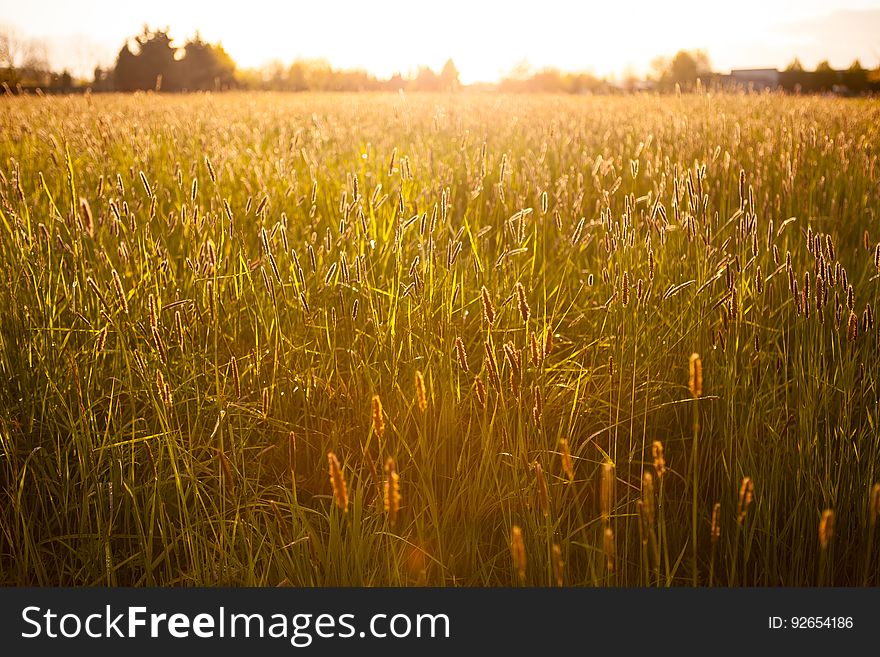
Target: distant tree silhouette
x=151, y=66
x=856, y=77
x=449, y=76
x=23, y=61
x=795, y=66
x=825, y=76
x=205, y=67
x=156, y=64
x=426, y=80
x=550, y=80
x=682, y=70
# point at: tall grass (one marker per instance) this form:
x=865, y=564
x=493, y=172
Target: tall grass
x=209, y=300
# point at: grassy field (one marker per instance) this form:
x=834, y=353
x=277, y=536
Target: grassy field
x=547, y=341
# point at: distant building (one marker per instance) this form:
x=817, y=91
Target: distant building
x=755, y=78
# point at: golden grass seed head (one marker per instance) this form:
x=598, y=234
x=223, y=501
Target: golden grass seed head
x=535, y=349
x=695, y=382
x=558, y=564
x=488, y=308
x=461, y=353
x=421, y=394
x=160, y=344
x=146, y=185
x=226, y=469
x=480, y=391
x=120, y=291
x=746, y=491
x=826, y=528
x=647, y=500
x=524, y=310
x=567, y=466
x=337, y=482
x=518, y=551
x=606, y=491
x=88, y=222
x=163, y=389
x=852, y=329
x=378, y=416
x=178, y=325
x=608, y=546
x=154, y=322
x=715, y=531
x=658, y=458
x=236, y=379
x=391, y=495
x=101, y=340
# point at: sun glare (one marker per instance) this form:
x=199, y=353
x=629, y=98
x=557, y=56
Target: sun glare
x=486, y=40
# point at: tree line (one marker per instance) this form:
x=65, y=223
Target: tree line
x=151, y=61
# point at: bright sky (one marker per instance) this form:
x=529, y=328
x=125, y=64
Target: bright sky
x=485, y=39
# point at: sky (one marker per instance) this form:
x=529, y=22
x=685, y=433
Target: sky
x=485, y=39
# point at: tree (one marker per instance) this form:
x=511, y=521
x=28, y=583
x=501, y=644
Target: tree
x=825, y=76
x=426, y=80
x=856, y=77
x=449, y=76
x=23, y=61
x=156, y=63
x=795, y=66
x=150, y=66
x=205, y=67
x=682, y=70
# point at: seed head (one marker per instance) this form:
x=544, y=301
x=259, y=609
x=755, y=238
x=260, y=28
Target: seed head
x=392, y=491
x=518, y=551
x=421, y=395
x=461, y=353
x=236, y=379
x=558, y=563
x=120, y=292
x=566, y=459
x=337, y=482
x=608, y=544
x=745, y=499
x=163, y=388
x=480, y=391
x=659, y=461
x=101, y=340
x=378, y=419
x=538, y=408
x=826, y=528
x=606, y=491
x=716, y=520
x=535, y=349
x=696, y=376
x=524, y=310
x=488, y=308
